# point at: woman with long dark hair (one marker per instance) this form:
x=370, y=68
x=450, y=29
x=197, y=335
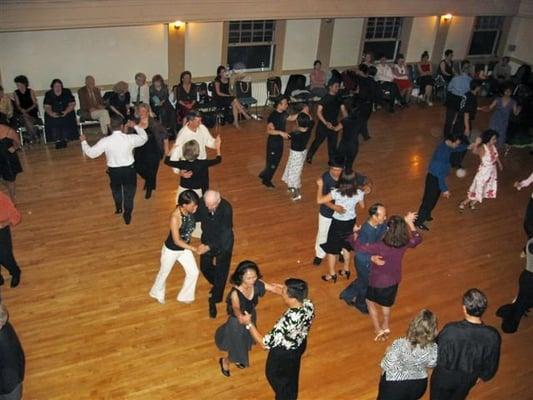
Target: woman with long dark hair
x=148, y=156
x=385, y=275
x=404, y=367
x=26, y=107
x=233, y=336
x=223, y=98
x=348, y=195
x=185, y=96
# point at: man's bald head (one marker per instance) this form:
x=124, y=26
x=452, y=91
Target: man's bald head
x=212, y=199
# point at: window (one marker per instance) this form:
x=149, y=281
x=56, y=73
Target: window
x=251, y=45
x=383, y=36
x=486, y=36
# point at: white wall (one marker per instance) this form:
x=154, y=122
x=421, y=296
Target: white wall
x=422, y=37
x=459, y=36
x=203, y=47
x=301, y=43
x=109, y=54
x=346, y=43
x=521, y=35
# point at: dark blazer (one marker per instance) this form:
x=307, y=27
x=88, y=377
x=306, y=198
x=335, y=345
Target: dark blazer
x=86, y=103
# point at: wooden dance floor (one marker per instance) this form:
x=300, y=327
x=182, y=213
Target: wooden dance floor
x=90, y=330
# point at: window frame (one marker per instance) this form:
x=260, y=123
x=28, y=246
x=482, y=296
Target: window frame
x=240, y=43
x=478, y=27
x=396, y=25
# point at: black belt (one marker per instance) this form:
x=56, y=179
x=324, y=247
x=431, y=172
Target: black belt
x=127, y=166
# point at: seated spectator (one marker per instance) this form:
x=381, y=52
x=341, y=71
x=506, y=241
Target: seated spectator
x=224, y=99
x=446, y=66
x=425, y=77
x=118, y=101
x=401, y=78
x=141, y=90
x=91, y=104
x=60, y=118
x=26, y=108
x=368, y=59
x=184, y=96
x=317, y=79
x=500, y=74
x=160, y=103
x=385, y=78
x=6, y=106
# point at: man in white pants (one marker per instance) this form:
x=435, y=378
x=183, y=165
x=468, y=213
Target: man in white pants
x=329, y=179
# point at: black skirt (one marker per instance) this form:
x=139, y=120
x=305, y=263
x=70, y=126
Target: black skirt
x=338, y=232
x=383, y=296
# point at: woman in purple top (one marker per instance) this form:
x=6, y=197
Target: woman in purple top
x=386, y=269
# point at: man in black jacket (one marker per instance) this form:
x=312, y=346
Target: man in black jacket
x=216, y=216
x=12, y=360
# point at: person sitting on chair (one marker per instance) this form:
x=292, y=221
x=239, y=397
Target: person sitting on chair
x=92, y=105
x=224, y=99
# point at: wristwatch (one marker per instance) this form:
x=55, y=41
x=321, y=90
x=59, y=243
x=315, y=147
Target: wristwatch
x=248, y=326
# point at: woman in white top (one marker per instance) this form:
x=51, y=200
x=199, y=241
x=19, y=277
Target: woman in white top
x=404, y=367
x=348, y=195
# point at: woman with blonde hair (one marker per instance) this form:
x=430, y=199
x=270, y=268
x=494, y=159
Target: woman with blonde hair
x=404, y=367
x=148, y=156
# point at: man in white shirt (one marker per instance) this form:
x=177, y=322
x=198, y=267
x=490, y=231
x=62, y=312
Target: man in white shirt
x=140, y=92
x=192, y=130
x=118, y=148
x=385, y=78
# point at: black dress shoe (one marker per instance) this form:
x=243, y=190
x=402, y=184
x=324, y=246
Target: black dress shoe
x=429, y=219
x=148, y=193
x=422, y=227
x=268, y=184
x=309, y=160
x=225, y=372
x=317, y=261
x=15, y=280
x=118, y=211
x=127, y=217
x=212, y=309
x=366, y=138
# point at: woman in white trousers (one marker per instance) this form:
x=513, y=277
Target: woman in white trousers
x=177, y=248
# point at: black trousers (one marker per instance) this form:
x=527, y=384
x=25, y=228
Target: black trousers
x=450, y=385
x=512, y=313
x=149, y=173
x=412, y=389
x=364, y=114
x=528, y=219
x=430, y=198
x=283, y=371
x=453, y=105
x=392, y=88
x=322, y=132
x=123, y=183
x=274, y=152
x=7, y=259
x=348, y=149
x=216, y=269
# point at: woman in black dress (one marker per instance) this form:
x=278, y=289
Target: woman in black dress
x=148, y=156
x=9, y=161
x=60, y=119
x=224, y=99
x=119, y=100
x=185, y=96
x=233, y=335
x=26, y=108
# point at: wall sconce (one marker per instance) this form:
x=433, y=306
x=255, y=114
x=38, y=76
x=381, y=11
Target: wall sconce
x=447, y=17
x=178, y=25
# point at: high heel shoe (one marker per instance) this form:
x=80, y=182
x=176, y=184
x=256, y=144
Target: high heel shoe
x=329, y=278
x=345, y=273
x=224, y=371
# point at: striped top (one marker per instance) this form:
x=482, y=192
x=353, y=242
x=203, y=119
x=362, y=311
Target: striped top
x=404, y=362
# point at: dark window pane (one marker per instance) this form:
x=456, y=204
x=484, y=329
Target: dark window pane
x=235, y=25
x=379, y=32
x=269, y=25
x=246, y=37
x=258, y=37
x=386, y=48
x=250, y=57
x=268, y=36
x=246, y=25
x=234, y=37
x=483, y=42
x=258, y=25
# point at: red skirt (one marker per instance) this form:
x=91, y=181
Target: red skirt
x=403, y=83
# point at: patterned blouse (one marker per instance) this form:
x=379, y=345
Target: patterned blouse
x=292, y=328
x=404, y=362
